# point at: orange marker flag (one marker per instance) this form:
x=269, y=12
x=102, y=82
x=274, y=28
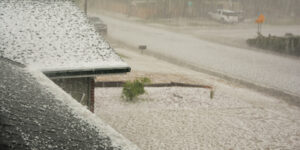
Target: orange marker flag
x=260, y=19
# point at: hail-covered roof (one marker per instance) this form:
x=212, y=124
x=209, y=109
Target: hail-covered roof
x=53, y=35
x=36, y=114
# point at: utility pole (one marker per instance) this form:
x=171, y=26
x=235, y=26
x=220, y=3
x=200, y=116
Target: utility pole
x=85, y=7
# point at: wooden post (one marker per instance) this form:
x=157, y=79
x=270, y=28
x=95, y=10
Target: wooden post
x=142, y=48
x=92, y=94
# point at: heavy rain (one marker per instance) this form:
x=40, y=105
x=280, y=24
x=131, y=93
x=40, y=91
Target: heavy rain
x=150, y=74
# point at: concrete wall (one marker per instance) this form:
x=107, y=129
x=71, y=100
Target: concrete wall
x=81, y=89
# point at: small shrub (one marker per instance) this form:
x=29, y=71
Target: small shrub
x=132, y=89
x=145, y=80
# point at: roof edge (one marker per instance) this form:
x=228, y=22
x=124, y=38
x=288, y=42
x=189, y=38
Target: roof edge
x=85, y=72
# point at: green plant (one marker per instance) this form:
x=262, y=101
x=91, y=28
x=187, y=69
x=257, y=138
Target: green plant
x=145, y=80
x=132, y=89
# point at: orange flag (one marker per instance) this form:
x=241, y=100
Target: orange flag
x=260, y=19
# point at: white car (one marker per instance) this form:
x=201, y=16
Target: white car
x=225, y=16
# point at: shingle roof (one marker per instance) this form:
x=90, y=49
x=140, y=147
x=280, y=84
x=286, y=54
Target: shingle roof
x=36, y=114
x=53, y=35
